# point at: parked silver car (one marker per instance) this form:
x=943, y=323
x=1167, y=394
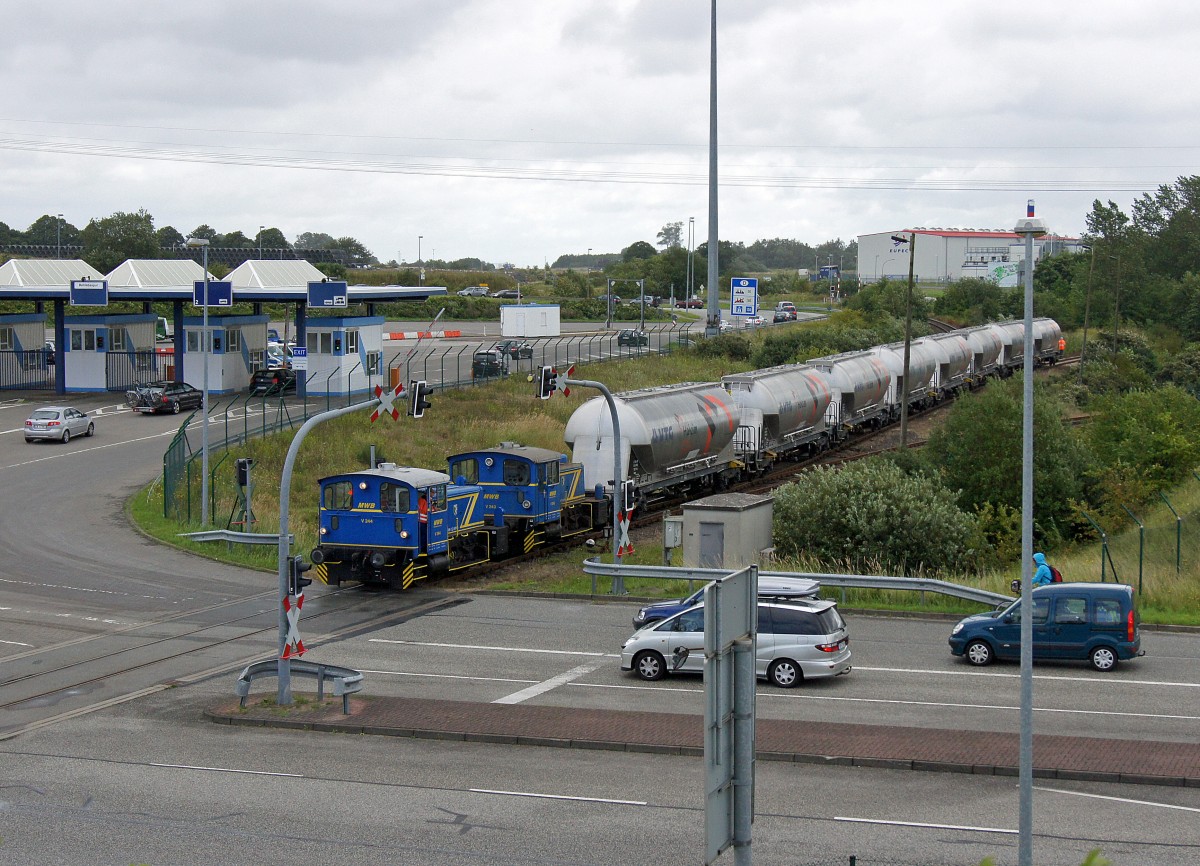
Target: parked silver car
x=797, y=640
x=58, y=422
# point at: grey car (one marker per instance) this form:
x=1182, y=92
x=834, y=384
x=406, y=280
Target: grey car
x=58, y=422
x=798, y=639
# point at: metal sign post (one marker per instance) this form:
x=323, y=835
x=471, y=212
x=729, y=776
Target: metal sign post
x=730, y=629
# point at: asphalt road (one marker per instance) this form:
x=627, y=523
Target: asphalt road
x=96, y=776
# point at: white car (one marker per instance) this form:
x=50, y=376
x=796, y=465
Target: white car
x=798, y=639
x=58, y=422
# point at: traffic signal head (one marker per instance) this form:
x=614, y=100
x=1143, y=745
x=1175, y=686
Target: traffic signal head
x=296, y=574
x=547, y=382
x=628, y=496
x=419, y=401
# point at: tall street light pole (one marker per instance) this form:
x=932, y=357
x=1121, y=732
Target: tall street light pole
x=1087, y=309
x=206, y=350
x=420, y=262
x=58, y=233
x=260, y=231
x=691, y=245
x=1030, y=227
x=714, y=252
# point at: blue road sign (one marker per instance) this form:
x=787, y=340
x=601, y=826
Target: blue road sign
x=327, y=294
x=89, y=293
x=220, y=293
x=743, y=296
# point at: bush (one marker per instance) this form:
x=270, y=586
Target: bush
x=873, y=512
x=1152, y=432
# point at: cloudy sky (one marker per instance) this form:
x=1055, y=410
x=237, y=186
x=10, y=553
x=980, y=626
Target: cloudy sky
x=519, y=130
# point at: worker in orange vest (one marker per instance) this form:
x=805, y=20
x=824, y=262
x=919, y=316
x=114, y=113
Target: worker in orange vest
x=423, y=518
x=1062, y=345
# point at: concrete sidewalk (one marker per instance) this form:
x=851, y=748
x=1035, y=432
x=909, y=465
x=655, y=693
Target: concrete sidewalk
x=947, y=751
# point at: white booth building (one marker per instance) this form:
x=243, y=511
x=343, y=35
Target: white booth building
x=530, y=320
x=238, y=348
x=24, y=361
x=946, y=255
x=109, y=353
x=345, y=354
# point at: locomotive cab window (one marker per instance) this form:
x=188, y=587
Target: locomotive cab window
x=339, y=496
x=393, y=497
x=437, y=497
x=466, y=469
x=550, y=472
x=516, y=473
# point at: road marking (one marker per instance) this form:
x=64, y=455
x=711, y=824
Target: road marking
x=86, y=450
x=537, y=796
x=552, y=683
x=1014, y=676
x=964, y=827
x=447, y=676
x=225, y=770
x=15, y=643
x=1118, y=799
x=507, y=649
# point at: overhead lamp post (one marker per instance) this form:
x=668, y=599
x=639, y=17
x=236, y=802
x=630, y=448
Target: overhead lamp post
x=691, y=243
x=1087, y=309
x=1031, y=228
x=58, y=233
x=206, y=347
x=876, y=268
x=260, y=231
x=420, y=262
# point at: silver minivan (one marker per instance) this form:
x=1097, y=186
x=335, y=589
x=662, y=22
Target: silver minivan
x=798, y=639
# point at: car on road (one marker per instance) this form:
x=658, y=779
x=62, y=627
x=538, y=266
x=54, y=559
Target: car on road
x=274, y=380
x=473, y=292
x=58, y=422
x=277, y=356
x=507, y=293
x=489, y=364
x=1098, y=622
x=515, y=349
x=615, y=299
x=632, y=337
x=690, y=303
x=797, y=640
x=783, y=316
x=754, y=322
x=163, y=397
x=775, y=587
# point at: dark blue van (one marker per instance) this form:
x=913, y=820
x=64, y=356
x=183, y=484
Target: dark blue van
x=1094, y=621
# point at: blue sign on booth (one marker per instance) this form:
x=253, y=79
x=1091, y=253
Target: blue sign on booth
x=327, y=294
x=744, y=296
x=89, y=293
x=220, y=294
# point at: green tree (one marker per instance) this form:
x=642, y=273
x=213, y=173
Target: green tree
x=109, y=241
x=1153, y=432
x=273, y=239
x=169, y=237
x=205, y=231
x=234, y=239
x=314, y=241
x=638, y=250
x=48, y=230
x=358, y=254
x=870, y=515
x=671, y=235
x=978, y=453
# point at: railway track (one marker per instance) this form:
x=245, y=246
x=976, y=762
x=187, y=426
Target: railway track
x=70, y=678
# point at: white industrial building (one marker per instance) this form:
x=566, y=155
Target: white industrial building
x=945, y=255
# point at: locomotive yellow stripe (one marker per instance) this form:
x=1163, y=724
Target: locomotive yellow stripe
x=408, y=576
x=321, y=573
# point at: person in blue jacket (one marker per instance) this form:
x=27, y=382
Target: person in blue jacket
x=1043, y=576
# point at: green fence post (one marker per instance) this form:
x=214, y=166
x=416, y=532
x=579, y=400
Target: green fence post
x=1178, y=533
x=1141, y=545
x=1103, y=545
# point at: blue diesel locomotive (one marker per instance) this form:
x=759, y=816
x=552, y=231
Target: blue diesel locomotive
x=394, y=525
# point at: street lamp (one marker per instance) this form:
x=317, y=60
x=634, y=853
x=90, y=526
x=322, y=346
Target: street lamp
x=420, y=263
x=876, y=268
x=260, y=231
x=691, y=242
x=58, y=232
x=912, y=247
x=206, y=347
x=1030, y=227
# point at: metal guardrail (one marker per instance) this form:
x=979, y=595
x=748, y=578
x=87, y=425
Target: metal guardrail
x=233, y=537
x=597, y=569
x=346, y=681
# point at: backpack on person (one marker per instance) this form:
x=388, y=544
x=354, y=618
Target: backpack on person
x=1055, y=575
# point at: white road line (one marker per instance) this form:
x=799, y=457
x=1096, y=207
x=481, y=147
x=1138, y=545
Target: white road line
x=1117, y=799
x=964, y=827
x=1014, y=676
x=552, y=683
x=507, y=649
x=15, y=643
x=446, y=676
x=225, y=770
x=558, y=797
x=86, y=450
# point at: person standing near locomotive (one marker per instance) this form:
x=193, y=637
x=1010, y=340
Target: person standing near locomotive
x=423, y=519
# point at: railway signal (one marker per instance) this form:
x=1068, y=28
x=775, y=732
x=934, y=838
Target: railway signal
x=419, y=401
x=547, y=383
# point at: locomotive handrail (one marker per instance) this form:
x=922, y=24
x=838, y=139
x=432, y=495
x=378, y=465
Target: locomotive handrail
x=596, y=569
